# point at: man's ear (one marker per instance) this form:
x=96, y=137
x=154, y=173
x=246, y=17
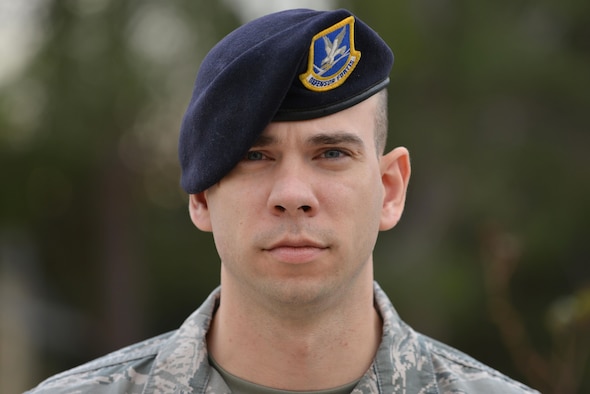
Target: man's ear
x=199, y=211
x=395, y=175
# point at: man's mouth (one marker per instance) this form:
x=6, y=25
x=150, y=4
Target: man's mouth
x=296, y=251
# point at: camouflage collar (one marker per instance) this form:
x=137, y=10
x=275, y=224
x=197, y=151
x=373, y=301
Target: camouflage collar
x=401, y=361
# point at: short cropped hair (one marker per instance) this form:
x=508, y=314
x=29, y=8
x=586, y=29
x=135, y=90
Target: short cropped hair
x=381, y=122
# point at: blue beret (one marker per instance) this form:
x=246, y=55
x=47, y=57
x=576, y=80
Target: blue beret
x=290, y=65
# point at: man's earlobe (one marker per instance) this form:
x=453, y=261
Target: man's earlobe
x=395, y=175
x=199, y=211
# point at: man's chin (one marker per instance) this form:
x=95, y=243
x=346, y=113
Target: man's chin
x=300, y=292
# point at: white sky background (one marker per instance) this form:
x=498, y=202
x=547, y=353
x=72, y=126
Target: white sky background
x=19, y=35
x=20, y=31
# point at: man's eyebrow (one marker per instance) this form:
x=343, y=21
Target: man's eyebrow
x=264, y=140
x=336, y=139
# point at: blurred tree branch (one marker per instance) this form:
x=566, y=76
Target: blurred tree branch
x=568, y=320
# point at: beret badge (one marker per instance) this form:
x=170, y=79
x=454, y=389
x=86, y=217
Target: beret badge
x=332, y=57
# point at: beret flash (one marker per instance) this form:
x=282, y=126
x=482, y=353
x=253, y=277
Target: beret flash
x=290, y=65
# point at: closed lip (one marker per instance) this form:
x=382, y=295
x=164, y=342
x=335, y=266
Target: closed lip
x=296, y=251
x=296, y=243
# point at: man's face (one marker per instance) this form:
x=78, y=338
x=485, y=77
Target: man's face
x=297, y=219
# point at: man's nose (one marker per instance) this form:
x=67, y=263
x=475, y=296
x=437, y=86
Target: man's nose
x=293, y=192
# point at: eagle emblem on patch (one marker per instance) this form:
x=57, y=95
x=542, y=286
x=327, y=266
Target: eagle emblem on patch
x=332, y=57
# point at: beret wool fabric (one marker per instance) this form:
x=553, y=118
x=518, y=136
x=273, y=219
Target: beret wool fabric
x=254, y=76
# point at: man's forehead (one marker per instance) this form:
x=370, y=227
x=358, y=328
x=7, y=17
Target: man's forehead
x=347, y=126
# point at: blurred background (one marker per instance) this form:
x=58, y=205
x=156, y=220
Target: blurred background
x=491, y=97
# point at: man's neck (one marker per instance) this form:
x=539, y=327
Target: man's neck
x=324, y=351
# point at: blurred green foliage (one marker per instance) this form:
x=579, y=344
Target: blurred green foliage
x=491, y=98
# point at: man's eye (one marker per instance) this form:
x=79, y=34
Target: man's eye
x=254, y=156
x=333, y=154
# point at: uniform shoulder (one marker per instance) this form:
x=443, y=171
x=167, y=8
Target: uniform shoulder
x=456, y=370
x=129, y=365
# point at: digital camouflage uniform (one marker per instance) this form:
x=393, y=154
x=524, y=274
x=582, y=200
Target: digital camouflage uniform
x=177, y=362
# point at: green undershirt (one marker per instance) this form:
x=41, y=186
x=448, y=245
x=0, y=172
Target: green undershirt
x=241, y=386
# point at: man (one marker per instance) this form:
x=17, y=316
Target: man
x=282, y=154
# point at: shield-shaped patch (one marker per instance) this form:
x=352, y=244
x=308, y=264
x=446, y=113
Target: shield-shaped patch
x=332, y=57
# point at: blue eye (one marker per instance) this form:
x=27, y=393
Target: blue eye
x=254, y=156
x=333, y=154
